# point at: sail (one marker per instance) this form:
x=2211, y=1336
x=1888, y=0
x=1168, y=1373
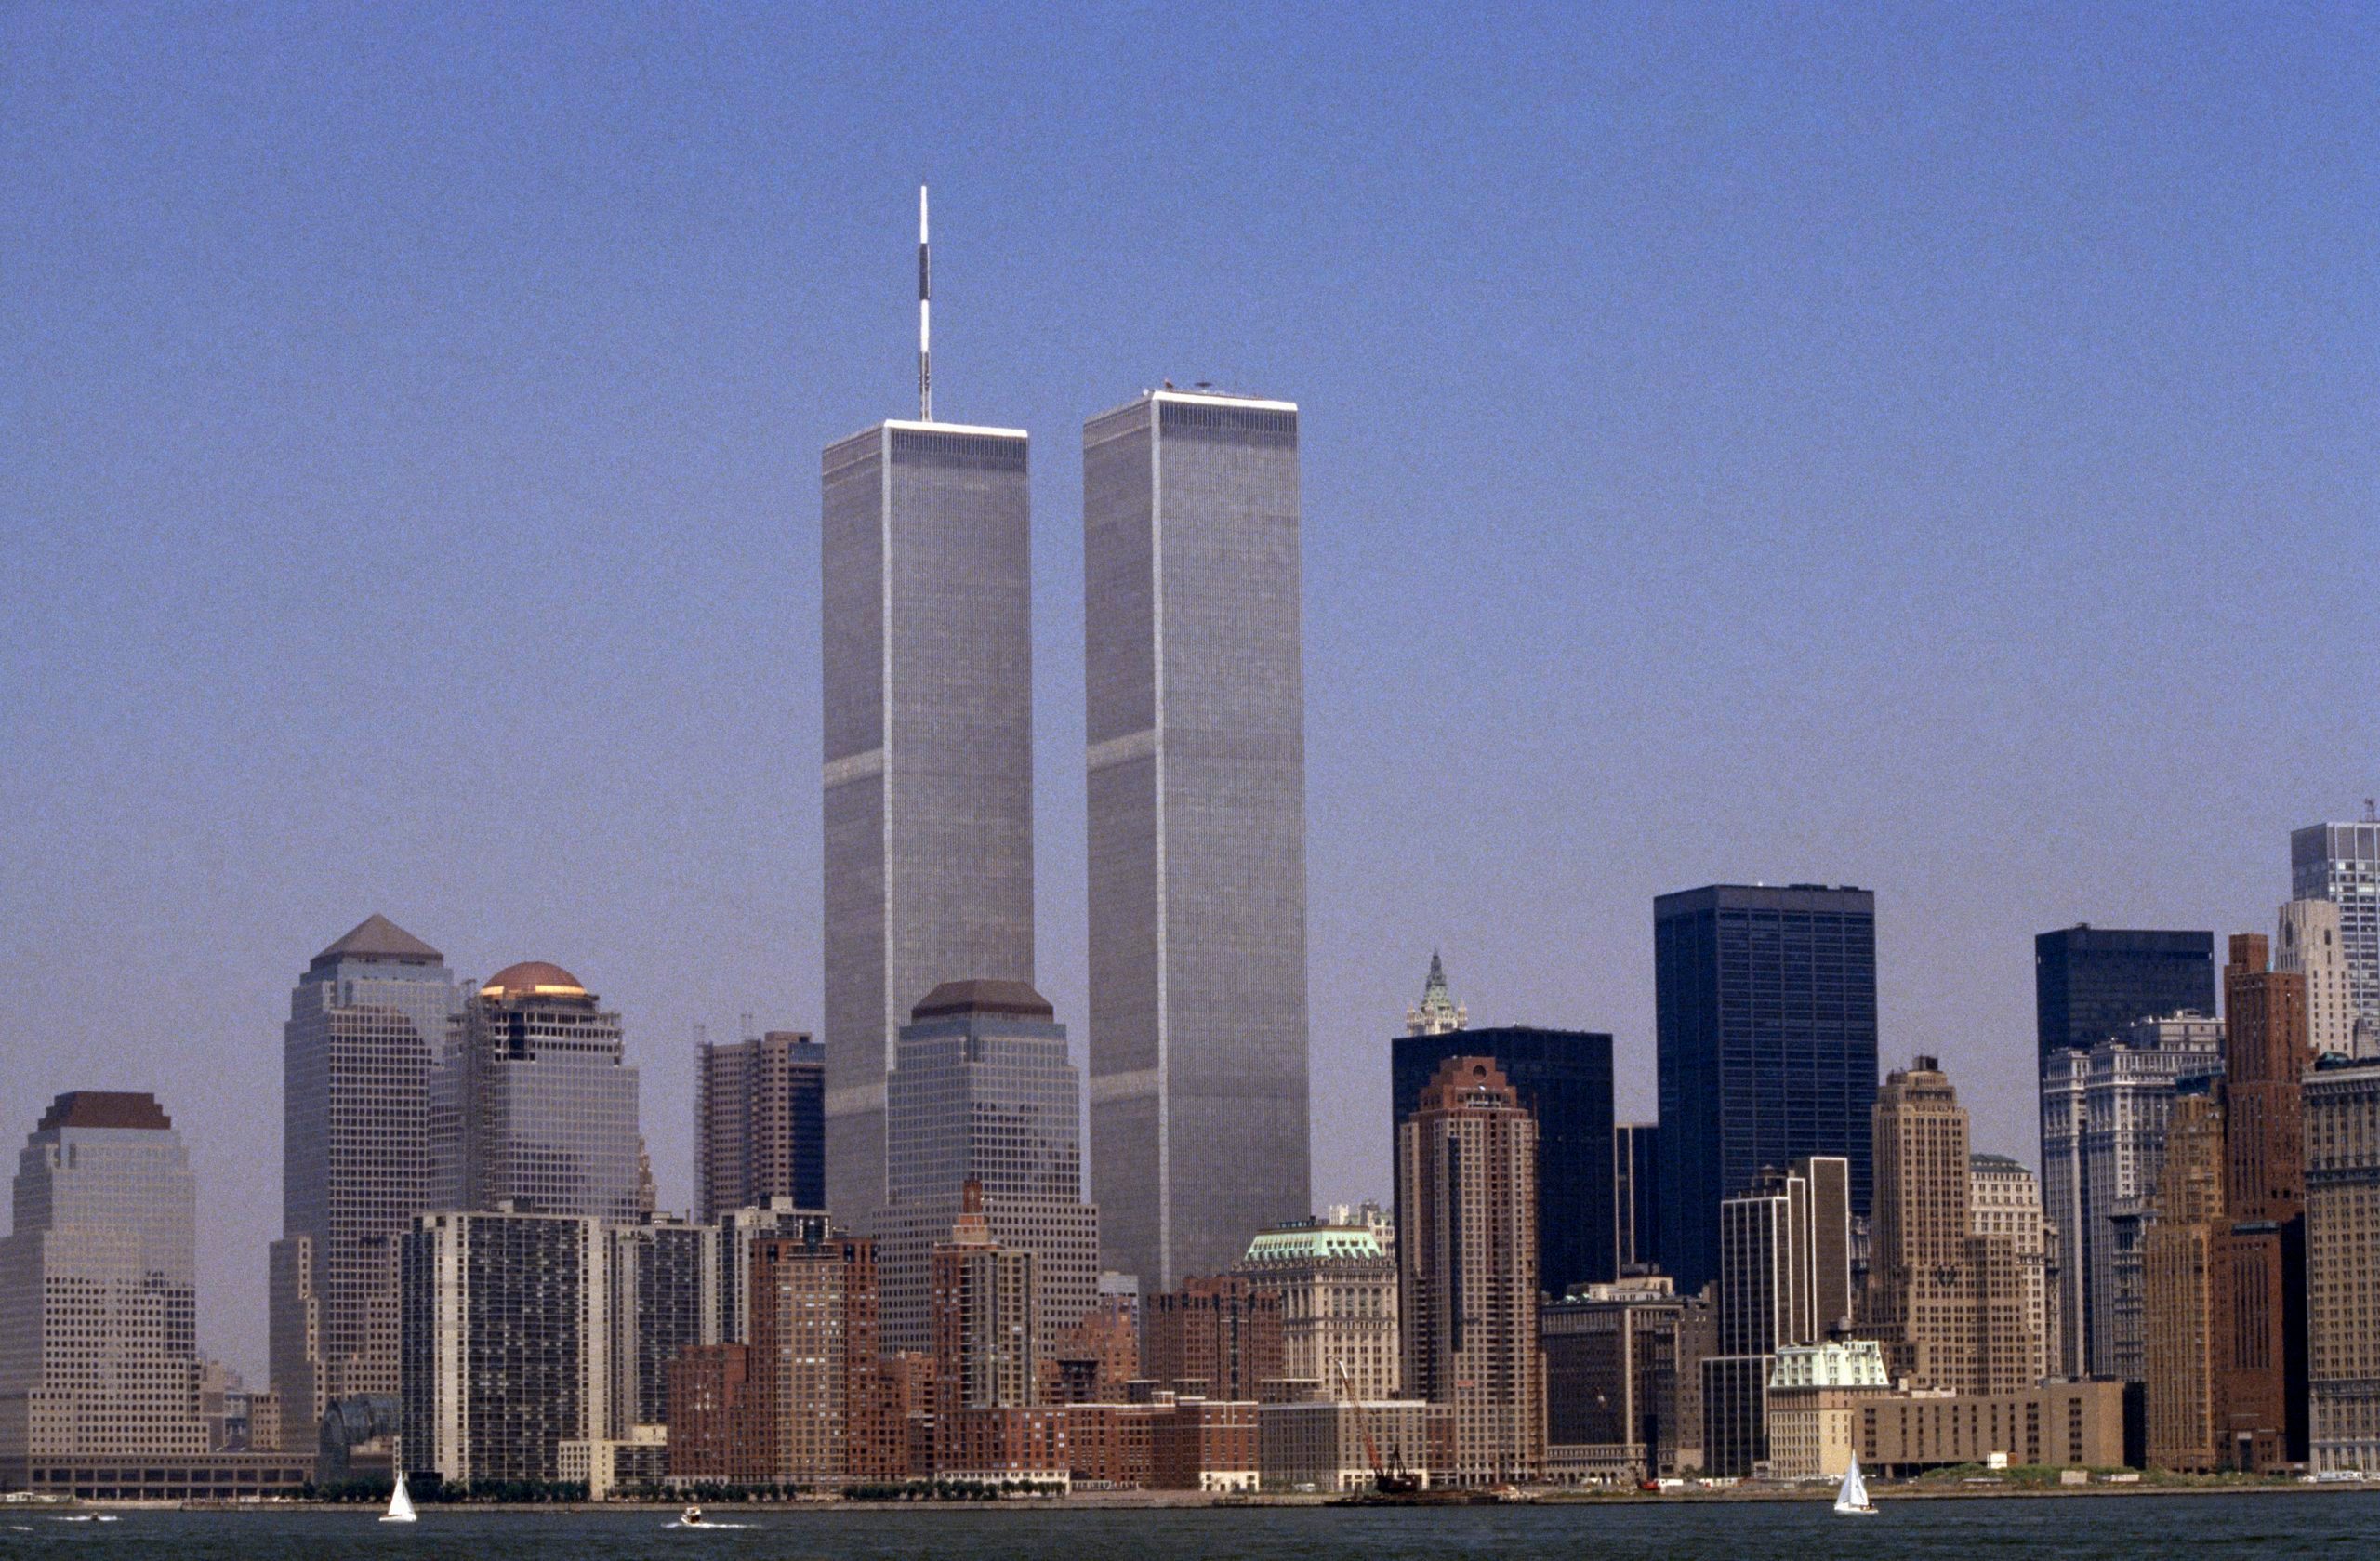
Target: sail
x=400, y=1502
x=1852, y=1497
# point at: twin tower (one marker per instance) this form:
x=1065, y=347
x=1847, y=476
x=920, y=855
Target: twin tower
x=1196, y=769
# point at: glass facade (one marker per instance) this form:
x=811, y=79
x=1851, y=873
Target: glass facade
x=983, y=1092
x=1196, y=792
x=1765, y=1035
x=1564, y=1079
x=1636, y=1202
x=535, y=1103
x=98, y=1353
x=926, y=553
x=2090, y=982
x=367, y=1021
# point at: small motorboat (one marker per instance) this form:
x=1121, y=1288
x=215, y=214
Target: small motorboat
x=399, y=1503
x=692, y=1517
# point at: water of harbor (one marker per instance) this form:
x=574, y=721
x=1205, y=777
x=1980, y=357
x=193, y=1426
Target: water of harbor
x=2326, y=1523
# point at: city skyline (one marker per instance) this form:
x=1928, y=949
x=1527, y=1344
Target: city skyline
x=1940, y=484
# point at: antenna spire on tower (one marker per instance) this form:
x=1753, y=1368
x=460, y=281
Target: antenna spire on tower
x=925, y=316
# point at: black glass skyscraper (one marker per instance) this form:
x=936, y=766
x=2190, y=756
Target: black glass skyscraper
x=2090, y=982
x=1564, y=1077
x=1766, y=1028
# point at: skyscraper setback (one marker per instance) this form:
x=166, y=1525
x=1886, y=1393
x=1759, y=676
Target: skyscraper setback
x=1197, y=808
x=368, y=1022
x=1766, y=1017
x=2310, y=943
x=2180, y=1290
x=2103, y=1144
x=927, y=662
x=1950, y=1305
x=1466, y=1251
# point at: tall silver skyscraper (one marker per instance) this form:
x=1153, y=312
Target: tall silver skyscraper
x=928, y=664
x=368, y=1022
x=1197, y=778
x=2341, y=862
x=535, y=1105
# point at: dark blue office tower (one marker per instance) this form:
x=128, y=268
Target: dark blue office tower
x=1766, y=1004
x=2090, y=982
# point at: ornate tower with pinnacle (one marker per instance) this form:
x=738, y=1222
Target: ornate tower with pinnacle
x=1438, y=1013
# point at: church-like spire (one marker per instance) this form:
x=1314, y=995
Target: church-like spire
x=1438, y=1012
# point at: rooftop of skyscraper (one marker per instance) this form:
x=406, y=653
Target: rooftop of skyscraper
x=376, y=937
x=533, y=978
x=1307, y=1242
x=951, y=998
x=105, y=1108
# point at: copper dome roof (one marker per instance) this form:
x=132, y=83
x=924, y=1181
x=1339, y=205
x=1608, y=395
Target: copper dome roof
x=532, y=978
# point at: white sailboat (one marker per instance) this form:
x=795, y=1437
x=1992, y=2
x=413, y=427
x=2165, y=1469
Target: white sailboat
x=400, y=1504
x=1852, y=1497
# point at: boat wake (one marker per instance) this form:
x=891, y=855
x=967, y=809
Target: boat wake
x=702, y=1523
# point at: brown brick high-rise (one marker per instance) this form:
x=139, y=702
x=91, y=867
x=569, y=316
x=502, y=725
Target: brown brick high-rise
x=818, y=1410
x=2259, y=1261
x=1466, y=1253
x=759, y=1124
x=1217, y=1337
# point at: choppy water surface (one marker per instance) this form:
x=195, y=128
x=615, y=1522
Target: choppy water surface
x=2334, y=1526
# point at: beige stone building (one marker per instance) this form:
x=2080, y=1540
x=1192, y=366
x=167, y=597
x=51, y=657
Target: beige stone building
x=1338, y=1289
x=2308, y=944
x=99, y=1358
x=1815, y=1395
x=2342, y=1262
x=2063, y=1425
x=2005, y=1198
x=1948, y=1305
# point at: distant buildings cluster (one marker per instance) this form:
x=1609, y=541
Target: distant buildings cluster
x=900, y=1268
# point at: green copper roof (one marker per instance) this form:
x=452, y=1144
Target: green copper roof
x=1312, y=1243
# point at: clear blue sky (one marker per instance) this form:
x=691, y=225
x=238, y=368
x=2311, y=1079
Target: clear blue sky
x=1925, y=448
